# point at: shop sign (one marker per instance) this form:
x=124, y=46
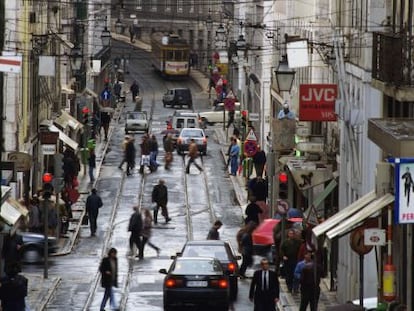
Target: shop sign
x=317, y=102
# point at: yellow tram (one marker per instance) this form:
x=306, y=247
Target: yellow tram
x=170, y=55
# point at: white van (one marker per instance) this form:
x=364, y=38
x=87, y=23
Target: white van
x=185, y=118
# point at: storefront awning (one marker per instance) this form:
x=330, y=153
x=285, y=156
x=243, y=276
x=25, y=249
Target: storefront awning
x=344, y=214
x=65, y=120
x=351, y=222
x=64, y=138
x=11, y=211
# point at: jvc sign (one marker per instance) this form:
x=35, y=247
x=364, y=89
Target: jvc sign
x=317, y=102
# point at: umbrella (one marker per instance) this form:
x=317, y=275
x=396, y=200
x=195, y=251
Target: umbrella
x=264, y=232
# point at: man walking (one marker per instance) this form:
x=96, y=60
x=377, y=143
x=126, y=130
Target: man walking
x=289, y=251
x=13, y=290
x=130, y=153
x=160, y=198
x=135, y=227
x=259, y=161
x=134, y=90
x=234, y=156
x=214, y=233
x=124, y=144
x=153, y=145
x=109, y=279
x=105, y=121
x=309, y=280
x=246, y=243
x=92, y=164
x=93, y=204
x=264, y=288
x=192, y=154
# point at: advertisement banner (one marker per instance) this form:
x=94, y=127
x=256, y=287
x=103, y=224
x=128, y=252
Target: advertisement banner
x=317, y=102
x=404, y=194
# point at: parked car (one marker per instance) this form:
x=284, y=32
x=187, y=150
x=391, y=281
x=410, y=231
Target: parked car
x=215, y=115
x=184, y=139
x=196, y=282
x=136, y=121
x=223, y=252
x=33, y=246
x=178, y=97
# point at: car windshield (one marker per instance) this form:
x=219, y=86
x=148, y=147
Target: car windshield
x=192, y=133
x=136, y=116
x=216, y=251
x=196, y=267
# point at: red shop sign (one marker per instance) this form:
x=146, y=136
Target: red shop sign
x=317, y=102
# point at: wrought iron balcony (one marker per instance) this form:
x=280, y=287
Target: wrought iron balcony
x=392, y=60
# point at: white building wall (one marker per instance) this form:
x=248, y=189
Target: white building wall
x=368, y=101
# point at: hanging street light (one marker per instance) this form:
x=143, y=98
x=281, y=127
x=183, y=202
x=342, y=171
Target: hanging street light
x=119, y=26
x=106, y=37
x=220, y=33
x=284, y=75
x=76, y=58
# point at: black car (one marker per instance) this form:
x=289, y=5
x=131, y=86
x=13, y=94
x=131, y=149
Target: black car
x=33, y=246
x=223, y=252
x=178, y=97
x=198, y=283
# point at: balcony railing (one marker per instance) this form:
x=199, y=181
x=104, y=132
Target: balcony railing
x=392, y=60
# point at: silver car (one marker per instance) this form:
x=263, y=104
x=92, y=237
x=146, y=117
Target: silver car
x=136, y=121
x=184, y=139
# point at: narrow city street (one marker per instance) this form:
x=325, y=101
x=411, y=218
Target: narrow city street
x=210, y=196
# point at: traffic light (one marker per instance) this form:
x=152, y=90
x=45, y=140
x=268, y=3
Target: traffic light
x=283, y=186
x=85, y=115
x=244, y=118
x=47, y=179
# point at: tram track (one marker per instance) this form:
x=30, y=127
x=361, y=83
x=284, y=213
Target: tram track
x=149, y=92
x=187, y=199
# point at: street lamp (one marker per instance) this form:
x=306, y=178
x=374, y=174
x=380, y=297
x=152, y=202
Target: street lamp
x=106, y=37
x=284, y=75
x=220, y=37
x=119, y=26
x=76, y=59
x=241, y=46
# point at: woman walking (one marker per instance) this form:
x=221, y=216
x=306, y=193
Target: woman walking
x=146, y=232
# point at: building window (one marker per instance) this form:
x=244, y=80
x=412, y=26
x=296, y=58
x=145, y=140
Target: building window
x=180, y=6
x=167, y=5
x=154, y=5
x=180, y=33
x=191, y=9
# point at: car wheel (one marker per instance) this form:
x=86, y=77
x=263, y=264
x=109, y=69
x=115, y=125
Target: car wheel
x=32, y=254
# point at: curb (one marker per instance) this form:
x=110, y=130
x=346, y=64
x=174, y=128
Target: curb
x=45, y=300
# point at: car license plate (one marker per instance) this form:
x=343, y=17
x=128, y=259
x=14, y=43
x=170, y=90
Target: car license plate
x=197, y=283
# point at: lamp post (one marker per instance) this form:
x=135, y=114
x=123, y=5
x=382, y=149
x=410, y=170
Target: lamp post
x=209, y=25
x=119, y=26
x=284, y=79
x=106, y=37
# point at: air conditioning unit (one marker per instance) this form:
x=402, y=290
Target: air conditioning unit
x=310, y=147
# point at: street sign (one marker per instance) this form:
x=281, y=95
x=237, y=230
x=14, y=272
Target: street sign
x=253, y=116
x=10, y=63
x=251, y=136
x=282, y=206
x=48, y=149
x=106, y=95
x=374, y=236
x=250, y=148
